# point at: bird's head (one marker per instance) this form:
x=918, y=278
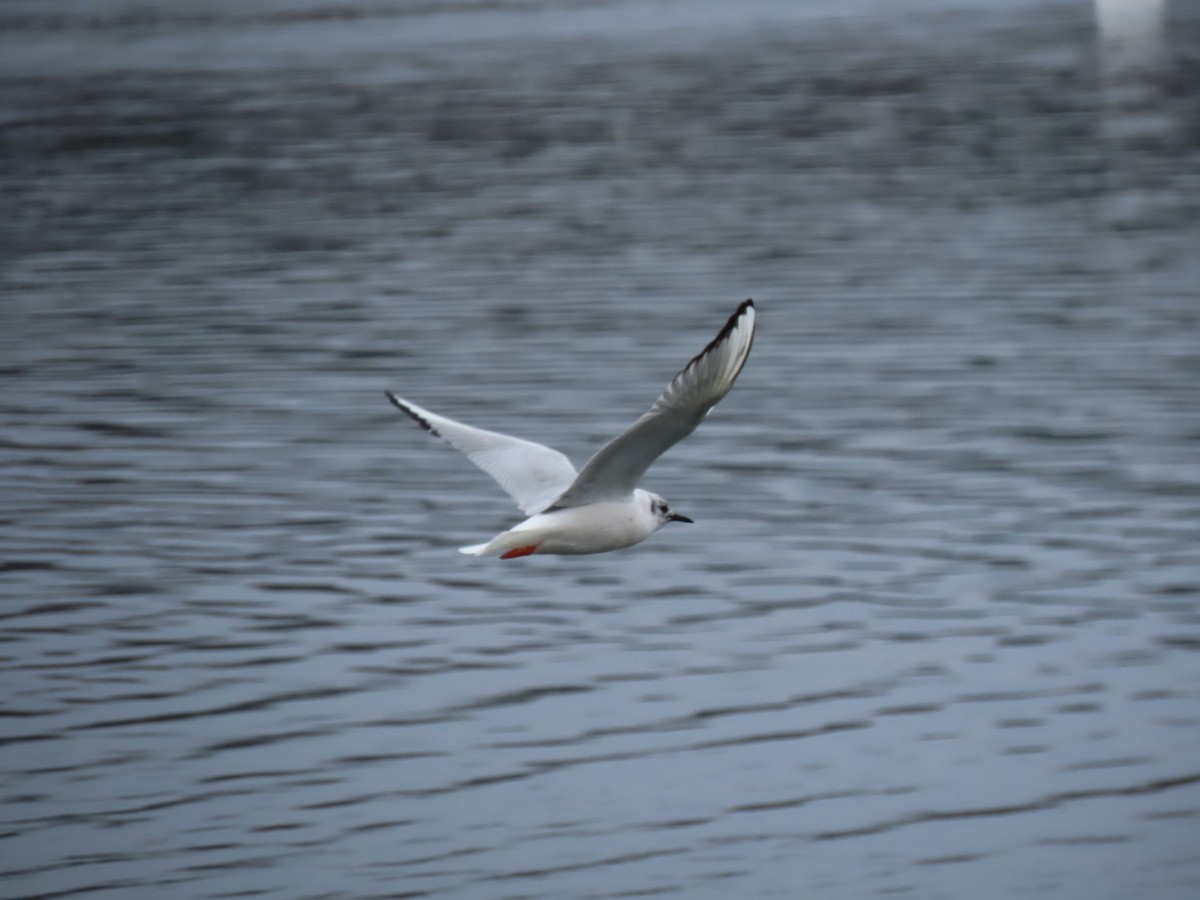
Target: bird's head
x=662, y=511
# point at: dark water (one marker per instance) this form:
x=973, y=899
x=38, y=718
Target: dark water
x=936, y=632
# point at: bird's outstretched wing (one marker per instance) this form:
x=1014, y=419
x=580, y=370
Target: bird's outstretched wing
x=532, y=474
x=619, y=465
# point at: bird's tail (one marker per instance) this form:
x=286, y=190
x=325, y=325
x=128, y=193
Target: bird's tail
x=508, y=544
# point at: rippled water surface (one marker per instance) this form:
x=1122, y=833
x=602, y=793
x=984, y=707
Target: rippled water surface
x=936, y=632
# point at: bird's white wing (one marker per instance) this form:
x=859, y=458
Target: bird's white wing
x=619, y=465
x=532, y=474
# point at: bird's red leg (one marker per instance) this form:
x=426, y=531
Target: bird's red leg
x=520, y=551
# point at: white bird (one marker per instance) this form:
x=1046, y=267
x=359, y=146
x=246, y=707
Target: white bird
x=600, y=508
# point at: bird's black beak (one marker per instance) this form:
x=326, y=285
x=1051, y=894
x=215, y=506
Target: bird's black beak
x=676, y=517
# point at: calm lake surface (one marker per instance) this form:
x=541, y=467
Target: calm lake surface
x=936, y=630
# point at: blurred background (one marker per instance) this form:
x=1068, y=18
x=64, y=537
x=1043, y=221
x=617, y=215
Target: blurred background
x=936, y=632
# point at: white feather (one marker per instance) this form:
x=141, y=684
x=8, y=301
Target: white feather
x=532, y=474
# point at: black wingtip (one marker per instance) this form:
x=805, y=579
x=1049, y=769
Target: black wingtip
x=725, y=331
x=411, y=413
x=731, y=324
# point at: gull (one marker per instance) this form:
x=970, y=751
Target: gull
x=599, y=508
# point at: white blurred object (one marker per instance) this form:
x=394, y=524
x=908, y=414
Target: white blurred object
x=1136, y=122
x=1131, y=32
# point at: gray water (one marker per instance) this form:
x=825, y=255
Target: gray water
x=936, y=632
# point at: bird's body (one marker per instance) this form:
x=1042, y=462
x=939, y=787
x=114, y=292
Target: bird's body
x=595, y=528
x=599, y=508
